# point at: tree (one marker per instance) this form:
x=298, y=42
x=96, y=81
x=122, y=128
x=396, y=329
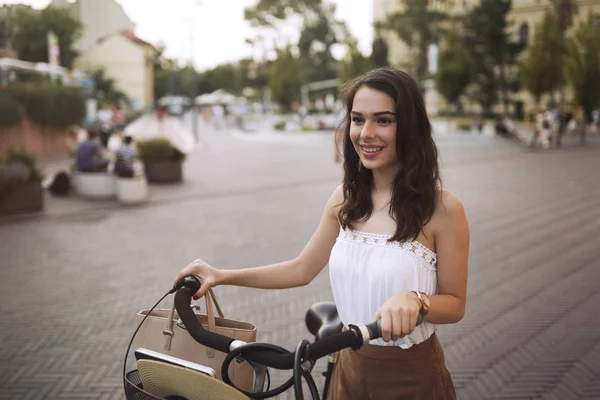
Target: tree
x=29, y=39
x=271, y=13
x=541, y=68
x=565, y=10
x=105, y=86
x=7, y=25
x=380, y=52
x=164, y=69
x=493, y=53
x=161, y=82
x=419, y=26
x=320, y=31
x=455, y=70
x=285, y=78
x=583, y=68
x=354, y=63
x=319, y=34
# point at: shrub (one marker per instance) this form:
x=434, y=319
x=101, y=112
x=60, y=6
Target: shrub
x=463, y=126
x=158, y=150
x=20, y=156
x=19, y=167
x=279, y=126
x=11, y=113
x=13, y=173
x=47, y=104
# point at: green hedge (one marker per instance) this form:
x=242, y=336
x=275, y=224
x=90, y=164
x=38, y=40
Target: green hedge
x=158, y=150
x=23, y=157
x=11, y=113
x=279, y=126
x=45, y=104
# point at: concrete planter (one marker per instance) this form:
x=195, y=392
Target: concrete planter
x=95, y=185
x=26, y=197
x=164, y=172
x=132, y=190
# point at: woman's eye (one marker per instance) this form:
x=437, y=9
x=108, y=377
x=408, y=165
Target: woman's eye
x=357, y=120
x=384, y=121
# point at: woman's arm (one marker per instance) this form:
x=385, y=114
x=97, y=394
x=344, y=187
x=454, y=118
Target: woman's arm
x=452, y=240
x=400, y=312
x=297, y=272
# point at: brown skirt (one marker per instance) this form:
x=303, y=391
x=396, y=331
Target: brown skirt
x=382, y=373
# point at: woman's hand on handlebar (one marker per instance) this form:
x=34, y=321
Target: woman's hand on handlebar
x=399, y=316
x=208, y=275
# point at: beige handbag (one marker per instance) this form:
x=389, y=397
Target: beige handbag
x=162, y=333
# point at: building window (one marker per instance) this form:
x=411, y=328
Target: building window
x=524, y=33
x=596, y=19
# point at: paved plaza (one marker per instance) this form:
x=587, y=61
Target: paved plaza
x=72, y=279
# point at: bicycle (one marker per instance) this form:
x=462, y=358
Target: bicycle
x=321, y=319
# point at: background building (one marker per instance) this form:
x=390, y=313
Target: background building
x=526, y=14
x=108, y=42
x=128, y=60
x=99, y=19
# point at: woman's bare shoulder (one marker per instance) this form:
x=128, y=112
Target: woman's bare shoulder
x=449, y=207
x=338, y=193
x=335, y=201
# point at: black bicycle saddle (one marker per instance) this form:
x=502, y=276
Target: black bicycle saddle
x=322, y=319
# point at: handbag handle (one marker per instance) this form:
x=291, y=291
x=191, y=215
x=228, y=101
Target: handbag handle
x=216, y=303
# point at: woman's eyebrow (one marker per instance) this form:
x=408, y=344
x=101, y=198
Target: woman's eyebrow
x=377, y=114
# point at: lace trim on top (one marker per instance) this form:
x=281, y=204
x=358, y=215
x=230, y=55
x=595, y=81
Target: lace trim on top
x=413, y=247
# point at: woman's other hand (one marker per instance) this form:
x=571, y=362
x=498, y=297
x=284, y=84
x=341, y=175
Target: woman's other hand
x=398, y=316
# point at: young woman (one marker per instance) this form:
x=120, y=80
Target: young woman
x=396, y=243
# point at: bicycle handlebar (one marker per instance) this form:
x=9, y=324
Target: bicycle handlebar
x=193, y=326
x=355, y=337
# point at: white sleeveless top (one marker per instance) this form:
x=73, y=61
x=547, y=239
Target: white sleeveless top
x=366, y=270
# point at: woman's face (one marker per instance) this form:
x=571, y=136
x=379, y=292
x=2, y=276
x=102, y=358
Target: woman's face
x=373, y=129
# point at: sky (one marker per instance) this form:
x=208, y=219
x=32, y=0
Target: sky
x=219, y=31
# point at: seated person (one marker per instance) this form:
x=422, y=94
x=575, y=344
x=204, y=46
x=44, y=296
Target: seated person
x=89, y=154
x=125, y=156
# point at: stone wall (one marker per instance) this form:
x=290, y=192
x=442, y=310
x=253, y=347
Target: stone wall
x=41, y=141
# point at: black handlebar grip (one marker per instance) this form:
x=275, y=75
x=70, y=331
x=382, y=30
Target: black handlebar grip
x=190, y=282
x=375, y=327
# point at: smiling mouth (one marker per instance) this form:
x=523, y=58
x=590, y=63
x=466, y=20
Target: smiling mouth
x=371, y=149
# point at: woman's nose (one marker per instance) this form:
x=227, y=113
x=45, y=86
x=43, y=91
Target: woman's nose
x=368, y=131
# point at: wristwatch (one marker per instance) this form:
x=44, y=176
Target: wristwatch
x=425, y=302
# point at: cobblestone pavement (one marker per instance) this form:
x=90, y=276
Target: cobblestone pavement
x=72, y=280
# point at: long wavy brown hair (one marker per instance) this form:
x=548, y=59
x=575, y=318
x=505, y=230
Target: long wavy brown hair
x=416, y=185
